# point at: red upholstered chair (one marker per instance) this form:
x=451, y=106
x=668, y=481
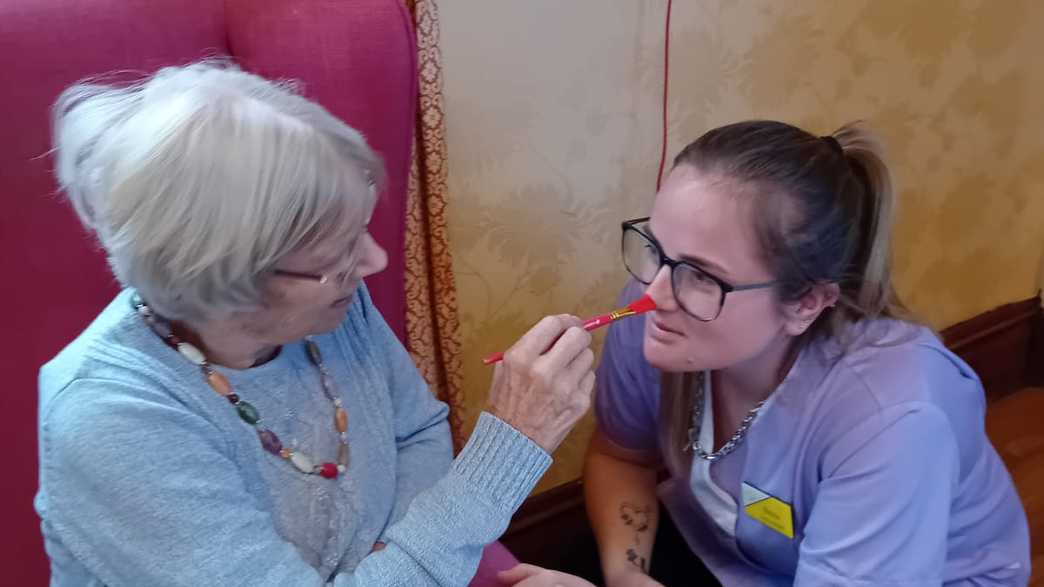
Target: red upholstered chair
x=356, y=58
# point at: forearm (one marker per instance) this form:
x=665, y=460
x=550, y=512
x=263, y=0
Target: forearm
x=421, y=461
x=622, y=507
x=441, y=536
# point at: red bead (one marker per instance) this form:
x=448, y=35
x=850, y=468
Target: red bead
x=232, y=398
x=328, y=470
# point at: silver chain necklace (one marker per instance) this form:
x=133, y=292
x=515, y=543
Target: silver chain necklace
x=697, y=425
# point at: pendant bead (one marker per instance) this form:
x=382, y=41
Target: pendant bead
x=313, y=352
x=302, y=462
x=190, y=352
x=248, y=412
x=327, y=382
x=270, y=441
x=328, y=470
x=219, y=383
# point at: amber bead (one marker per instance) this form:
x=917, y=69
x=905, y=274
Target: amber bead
x=219, y=383
x=313, y=352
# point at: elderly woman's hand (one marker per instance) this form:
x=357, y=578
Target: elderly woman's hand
x=543, y=394
x=533, y=576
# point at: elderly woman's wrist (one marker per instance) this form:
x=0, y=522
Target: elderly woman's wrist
x=505, y=425
x=500, y=462
x=543, y=434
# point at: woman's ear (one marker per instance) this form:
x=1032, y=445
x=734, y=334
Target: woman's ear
x=798, y=316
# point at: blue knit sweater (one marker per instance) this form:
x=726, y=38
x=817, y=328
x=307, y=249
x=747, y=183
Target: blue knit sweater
x=147, y=477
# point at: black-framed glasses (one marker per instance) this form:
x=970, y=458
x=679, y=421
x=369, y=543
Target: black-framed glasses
x=699, y=293
x=341, y=277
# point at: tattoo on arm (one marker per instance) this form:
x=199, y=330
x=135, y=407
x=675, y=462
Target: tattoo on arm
x=637, y=517
x=637, y=560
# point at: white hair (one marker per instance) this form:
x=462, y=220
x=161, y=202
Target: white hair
x=198, y=179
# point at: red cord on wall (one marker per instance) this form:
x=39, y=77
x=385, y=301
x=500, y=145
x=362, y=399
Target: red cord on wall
x=666, y=80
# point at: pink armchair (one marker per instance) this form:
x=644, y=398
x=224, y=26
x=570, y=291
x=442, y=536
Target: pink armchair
x=356, y=58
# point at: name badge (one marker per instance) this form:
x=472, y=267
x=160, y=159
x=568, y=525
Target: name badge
x=773, y=512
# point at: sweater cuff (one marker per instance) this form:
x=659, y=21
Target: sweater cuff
x=501, y=462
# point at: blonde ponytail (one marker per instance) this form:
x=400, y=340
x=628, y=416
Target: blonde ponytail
x=869, y=291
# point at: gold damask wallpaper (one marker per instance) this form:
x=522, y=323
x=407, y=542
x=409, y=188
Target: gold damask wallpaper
x=553, y=133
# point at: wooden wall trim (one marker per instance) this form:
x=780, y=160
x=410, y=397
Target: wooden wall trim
x=999, y=345
x=1035, y=368
x=964, y=335
x=548, y=504
x=551, y=530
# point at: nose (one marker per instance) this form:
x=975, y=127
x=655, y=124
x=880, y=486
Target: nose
x=373, y=258
x=661, y=290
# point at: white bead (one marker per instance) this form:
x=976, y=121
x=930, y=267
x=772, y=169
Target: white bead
x=340, y=469
x=302, y=462
x=191, y=353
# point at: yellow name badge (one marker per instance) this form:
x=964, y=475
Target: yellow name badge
x=768, y=510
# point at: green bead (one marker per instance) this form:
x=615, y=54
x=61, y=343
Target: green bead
x=248, y=413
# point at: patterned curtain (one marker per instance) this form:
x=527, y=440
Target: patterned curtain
x=432, y=324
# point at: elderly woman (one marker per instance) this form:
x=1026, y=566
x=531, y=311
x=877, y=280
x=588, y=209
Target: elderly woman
x=241, y=414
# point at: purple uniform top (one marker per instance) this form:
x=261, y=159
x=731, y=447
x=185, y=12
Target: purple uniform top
x=876, y=452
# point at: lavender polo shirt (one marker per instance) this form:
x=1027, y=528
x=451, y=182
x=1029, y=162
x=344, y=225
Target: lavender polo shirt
x=877, y=452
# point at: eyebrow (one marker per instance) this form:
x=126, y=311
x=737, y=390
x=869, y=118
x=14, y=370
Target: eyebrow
x=331, y=260
x=692, y=259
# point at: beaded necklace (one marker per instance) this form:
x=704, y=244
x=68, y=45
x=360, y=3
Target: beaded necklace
x=247, y=412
